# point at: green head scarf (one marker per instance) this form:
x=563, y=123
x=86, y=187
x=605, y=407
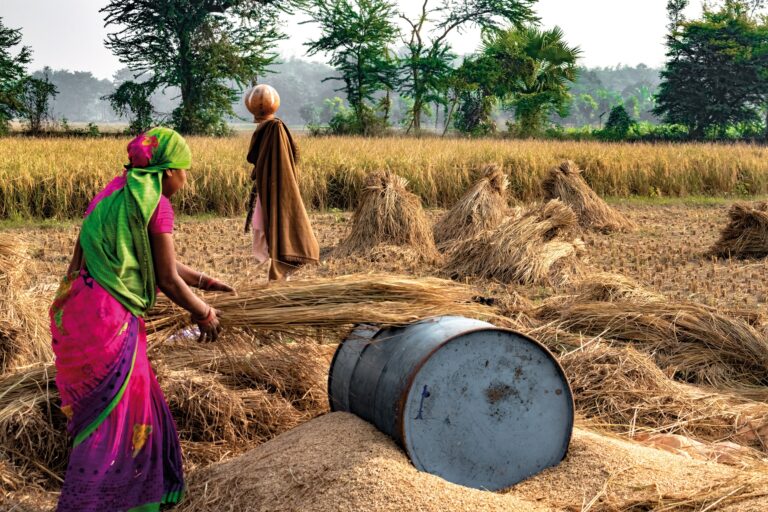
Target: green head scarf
x=114, y=235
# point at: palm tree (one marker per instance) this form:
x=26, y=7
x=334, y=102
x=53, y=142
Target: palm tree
x=537, y=66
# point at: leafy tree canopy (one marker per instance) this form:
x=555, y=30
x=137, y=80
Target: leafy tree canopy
x=196, y=46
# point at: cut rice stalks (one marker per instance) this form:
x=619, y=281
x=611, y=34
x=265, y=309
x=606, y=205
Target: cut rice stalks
x=24, y=339
x=539, y=247
x=622, y=390
x=746, y=235
x=566, y=183
x=694, y=343
x=388, y=214
x=483, y=207
x=301, y=307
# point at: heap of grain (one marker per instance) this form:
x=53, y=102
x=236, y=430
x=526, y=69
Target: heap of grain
x=566, y=183
x=339, y=462
x=388, y=214
x=539, y=247
x=746, y=235
x=482, y=207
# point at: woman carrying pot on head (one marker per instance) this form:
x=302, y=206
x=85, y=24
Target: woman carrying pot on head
x=281, y=228
x=126, y=454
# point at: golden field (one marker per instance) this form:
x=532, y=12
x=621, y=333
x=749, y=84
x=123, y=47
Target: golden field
x=56, y=178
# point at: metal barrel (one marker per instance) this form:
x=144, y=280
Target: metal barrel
x=480, y=406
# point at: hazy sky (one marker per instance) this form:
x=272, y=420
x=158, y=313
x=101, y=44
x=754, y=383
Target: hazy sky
x=69, y=33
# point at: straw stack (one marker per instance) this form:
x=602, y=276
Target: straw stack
x=566, y=183
x=539, y=247
x=388, y=214
x=483, y=207
x=746, y=235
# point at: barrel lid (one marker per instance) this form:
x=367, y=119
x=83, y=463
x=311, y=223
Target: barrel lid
x=487, y=409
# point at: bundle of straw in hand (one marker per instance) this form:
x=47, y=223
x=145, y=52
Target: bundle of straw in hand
x=299, y=307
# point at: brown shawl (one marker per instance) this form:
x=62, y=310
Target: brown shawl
x=289, y=234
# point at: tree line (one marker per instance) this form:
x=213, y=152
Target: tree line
x=187, y=62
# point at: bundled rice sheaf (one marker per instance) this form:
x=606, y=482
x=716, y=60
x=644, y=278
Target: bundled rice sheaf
x=484, y=206
x=566, y=183
x=388, y=214
x=624, y=391
x=539, y=247
x=694, y=343
x=301, y=307
x=746, y=235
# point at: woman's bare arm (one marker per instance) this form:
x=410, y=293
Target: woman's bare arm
x=77, y=258
x=171, y=284
x=199, y=280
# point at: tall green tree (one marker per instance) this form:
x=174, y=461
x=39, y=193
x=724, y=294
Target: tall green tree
x=716, y=75
x=13, y=73
x=199, y=46
x=535, y=69
x=36, y=101
x=475, y=88
x=357, y=34
x=427, y=62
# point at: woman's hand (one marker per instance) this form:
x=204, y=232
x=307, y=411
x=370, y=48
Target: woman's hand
x=218, y=286
x=210, y=327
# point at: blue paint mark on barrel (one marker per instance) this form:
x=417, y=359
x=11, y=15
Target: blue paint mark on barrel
x=477, y=405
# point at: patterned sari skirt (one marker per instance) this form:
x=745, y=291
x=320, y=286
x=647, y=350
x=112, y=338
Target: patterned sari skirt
x=126, y=454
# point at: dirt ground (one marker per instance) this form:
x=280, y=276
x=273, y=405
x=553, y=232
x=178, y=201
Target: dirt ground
x=666, y=254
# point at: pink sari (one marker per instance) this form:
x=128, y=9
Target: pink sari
x=126, y=453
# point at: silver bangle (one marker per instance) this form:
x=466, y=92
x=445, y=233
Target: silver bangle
x=200, y=281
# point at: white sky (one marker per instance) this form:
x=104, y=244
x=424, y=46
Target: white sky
x=69, y=34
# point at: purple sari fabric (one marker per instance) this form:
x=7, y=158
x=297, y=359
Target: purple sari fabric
x=126, y=454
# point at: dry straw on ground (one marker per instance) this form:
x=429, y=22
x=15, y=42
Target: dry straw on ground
x=693, y=342
x=32, y=428
x=538, y=247
x=566, y=183
x=621, y=389
x=23, y=337
x=482, y=207
x=389, y=214
x=746, y=235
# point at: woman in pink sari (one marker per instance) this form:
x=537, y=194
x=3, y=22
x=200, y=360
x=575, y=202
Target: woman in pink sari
x=126, y=454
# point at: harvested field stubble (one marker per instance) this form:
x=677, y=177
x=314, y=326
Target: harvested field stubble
x=746, y=235
x=333, y=170
x=538, y=247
